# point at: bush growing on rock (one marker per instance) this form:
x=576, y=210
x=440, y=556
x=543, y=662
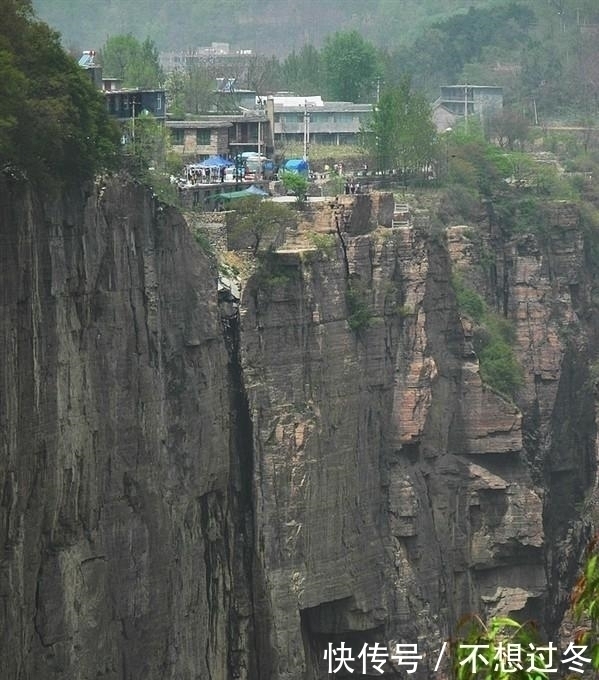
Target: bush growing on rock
x=493, y=339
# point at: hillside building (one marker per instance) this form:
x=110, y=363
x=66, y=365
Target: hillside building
x=222, y=135
x=327, y=123
x=457, y=102
x=124, y=103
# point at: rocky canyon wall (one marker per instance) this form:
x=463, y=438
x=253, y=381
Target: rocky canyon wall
x=189, y=496
x=121, y=556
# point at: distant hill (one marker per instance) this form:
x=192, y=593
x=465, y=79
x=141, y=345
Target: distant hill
x=265, y=26
x=543, y=52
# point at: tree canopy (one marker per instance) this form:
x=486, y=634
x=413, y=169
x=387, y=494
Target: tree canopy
x=255, y=221
x=53, y=122
x=301, y=71
x=401, y=133
x=138, y=64
x=350, y=66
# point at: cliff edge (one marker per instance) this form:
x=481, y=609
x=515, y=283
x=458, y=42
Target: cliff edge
x=189, y=494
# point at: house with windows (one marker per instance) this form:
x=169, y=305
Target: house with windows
x=224, y=135
x=199, y=139
x=457, y=102
x=330, y=123
x=124, y=103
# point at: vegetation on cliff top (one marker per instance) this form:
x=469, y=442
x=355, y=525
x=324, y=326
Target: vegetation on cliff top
x=53, y=122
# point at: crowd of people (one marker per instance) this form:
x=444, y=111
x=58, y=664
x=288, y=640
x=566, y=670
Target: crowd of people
x=352, y=187
x=205, y=175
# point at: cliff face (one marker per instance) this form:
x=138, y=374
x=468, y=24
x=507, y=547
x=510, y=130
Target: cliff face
x=394, y=492
x=183, y=497
x=120, y=552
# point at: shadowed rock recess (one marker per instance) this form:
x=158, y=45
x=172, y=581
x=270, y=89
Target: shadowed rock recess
x=186, y=496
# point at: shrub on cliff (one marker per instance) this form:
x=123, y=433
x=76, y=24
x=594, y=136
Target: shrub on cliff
x=256, y=223
x=505, y=649
x=297, y=184
x=469, y=302
x=493, y=339
x=53, y=122
x=359, y=314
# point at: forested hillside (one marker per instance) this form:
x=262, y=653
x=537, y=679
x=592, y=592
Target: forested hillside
x=266, y=26
x=544, y=52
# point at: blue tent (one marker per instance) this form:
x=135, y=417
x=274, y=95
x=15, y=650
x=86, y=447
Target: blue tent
x=297, y=165
x=215, y=162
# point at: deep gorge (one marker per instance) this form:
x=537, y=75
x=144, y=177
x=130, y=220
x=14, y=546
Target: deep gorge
x=190, y=494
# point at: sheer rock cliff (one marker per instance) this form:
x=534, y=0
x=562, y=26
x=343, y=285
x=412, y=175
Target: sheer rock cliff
x=187, y=495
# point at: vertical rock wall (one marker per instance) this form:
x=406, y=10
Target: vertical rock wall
x=395, y=492
x=186, y=497
x=118, y=542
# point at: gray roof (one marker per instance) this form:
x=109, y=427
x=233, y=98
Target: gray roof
x=328, y=107
x=197, y=124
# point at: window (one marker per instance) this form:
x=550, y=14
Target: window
x=203, y=136
x=178, y=136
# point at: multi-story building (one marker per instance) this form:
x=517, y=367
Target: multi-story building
x=457, y=102
x=330, y=123
x=218, y=55
x=128, y=103
x=223, y=135
x=124, y=103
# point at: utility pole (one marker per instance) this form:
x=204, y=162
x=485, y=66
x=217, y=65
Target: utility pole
x=259, y=140
x=306, y=129
x=259, y=173
x=133, y=119
x=378, y=89
x=466, y=108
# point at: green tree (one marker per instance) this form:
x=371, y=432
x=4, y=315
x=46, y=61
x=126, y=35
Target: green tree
x=53, y=122
x=145, y=71
x=585, y=603
x=123, y=56
x=350, y=67
x=198, y=94
x=255, y=221
x=175, y=83
x=148, y=144
x=401, y=133
x=482, y=651
x=301, y=72
x=297, y=184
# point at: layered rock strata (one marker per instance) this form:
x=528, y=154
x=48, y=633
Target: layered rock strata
x=186, y=496
x=393, y=490
x=121, y=555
